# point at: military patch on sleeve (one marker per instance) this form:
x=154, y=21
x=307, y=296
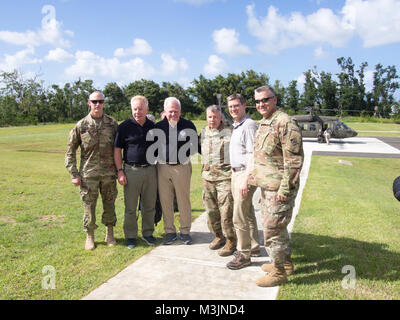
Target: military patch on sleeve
x=294, y=140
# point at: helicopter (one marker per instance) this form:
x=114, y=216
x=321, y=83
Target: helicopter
x=312, y=125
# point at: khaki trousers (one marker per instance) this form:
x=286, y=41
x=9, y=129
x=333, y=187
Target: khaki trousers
x=170, y=178
x=244, y=219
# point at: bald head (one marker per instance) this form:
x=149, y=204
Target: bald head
x=96, y=104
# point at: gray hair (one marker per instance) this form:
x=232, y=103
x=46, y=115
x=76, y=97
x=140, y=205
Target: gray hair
x=214, y=108
x=140, y=98
x=265, y=89
x=172, y=100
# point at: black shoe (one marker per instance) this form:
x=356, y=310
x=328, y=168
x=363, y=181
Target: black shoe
x=150, y=240
x=131, y=243
x=185, y=238
x=170, y=238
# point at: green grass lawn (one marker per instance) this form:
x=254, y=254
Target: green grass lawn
x=348, y=216
x=366, y=129
x=41, y=220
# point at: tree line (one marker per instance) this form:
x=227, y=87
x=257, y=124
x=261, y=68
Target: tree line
x=28, y=101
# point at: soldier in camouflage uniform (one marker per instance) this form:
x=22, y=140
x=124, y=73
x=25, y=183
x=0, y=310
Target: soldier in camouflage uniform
x=95, y=135
x=216, y=174
x=278, y=159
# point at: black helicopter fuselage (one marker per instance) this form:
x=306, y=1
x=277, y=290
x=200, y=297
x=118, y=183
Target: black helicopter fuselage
x=314, y=126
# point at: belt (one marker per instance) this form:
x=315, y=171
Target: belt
x=137, y=165
x=238, y=169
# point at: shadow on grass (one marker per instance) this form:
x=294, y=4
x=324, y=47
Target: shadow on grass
x=321, y=258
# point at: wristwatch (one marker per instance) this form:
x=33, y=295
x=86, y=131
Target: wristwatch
x=120, y=169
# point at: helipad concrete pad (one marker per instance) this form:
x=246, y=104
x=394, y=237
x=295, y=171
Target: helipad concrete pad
x=353, y=145
x=180, y=272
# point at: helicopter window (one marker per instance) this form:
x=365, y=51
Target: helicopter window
x=313, y=127
x=303, y=126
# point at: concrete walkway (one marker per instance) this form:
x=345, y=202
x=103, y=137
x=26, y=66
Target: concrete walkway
x=180, y=272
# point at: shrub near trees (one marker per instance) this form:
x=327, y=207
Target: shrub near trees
x=27, y=101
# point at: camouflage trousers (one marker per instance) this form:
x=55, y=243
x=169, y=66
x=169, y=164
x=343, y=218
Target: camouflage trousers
x=218, y=202
x=276, y=216
x=89, y=192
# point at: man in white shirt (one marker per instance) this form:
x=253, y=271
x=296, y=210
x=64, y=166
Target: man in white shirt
x=240, y=149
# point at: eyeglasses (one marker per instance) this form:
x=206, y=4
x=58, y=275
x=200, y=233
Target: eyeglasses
x=264, y=100
x=97, y=101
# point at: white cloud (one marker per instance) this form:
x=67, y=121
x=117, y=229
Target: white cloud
x=11, y=62
x=320, y=53
x=215, y=66
x=277, y=32
x=28, y=38
x=377, y=22
x=170, y=66
x=58, y=55
x=51, y=32
x=140, y=47
x=87, y=64
x=227, y=42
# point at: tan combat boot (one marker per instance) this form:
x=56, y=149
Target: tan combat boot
x=218, y=242
x=276, y=277
x=110, y=236
x=229, y=248
x=289, y=267
x=89, y=244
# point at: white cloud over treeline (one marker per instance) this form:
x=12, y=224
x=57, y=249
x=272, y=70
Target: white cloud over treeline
x=376, y=22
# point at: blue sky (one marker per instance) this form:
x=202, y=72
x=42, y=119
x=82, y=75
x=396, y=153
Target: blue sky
x=177, y=40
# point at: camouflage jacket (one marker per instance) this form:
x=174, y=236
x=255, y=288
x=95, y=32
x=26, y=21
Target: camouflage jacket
x=215, y=152
x=96, y=141
x=278, y=154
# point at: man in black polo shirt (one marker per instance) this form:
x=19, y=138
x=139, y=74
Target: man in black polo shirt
x=138, y=177
x=175, y=170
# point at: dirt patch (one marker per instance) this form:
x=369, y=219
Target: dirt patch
x=7, y=219
x=52, y=218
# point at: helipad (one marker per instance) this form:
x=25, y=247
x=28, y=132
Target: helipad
x=352, y=145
